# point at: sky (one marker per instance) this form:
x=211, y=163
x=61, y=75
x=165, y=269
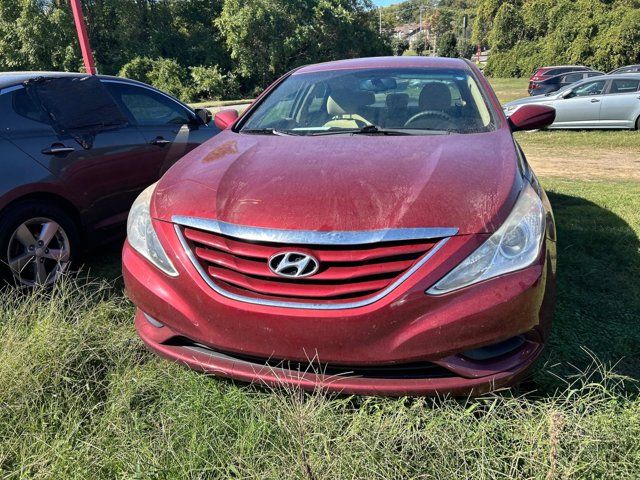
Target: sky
x=384, y=3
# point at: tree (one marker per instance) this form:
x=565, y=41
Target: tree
x=421, y=43
x=268, y=37
x=447, y=44
x=137, y=69
x=399, y=45
x=508, y=28
x=485, y=12
x=168, y=75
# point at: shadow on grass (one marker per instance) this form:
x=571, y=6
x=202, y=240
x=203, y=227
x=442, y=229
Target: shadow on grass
x=598, y=307
x=105, y=264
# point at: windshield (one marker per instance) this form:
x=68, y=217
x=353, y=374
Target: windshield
x=404, y=101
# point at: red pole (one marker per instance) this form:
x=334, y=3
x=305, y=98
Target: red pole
x=81, y=28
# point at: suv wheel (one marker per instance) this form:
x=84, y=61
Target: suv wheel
x=37, y=243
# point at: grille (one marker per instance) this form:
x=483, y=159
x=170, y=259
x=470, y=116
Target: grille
x=346, y=272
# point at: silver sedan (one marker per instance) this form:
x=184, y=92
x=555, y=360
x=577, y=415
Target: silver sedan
x=608, y=101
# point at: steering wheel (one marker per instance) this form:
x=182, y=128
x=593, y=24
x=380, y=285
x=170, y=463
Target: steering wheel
x=430, y=113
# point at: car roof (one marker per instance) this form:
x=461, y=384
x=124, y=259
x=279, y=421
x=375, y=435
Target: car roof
x=560, y=75
x=565, y=66
x=630, y=76
x=9, y=79
x=386, y=62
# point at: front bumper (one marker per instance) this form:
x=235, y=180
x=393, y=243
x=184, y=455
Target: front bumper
x=211, y=333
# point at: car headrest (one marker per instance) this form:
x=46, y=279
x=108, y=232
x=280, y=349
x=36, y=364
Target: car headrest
x=348, y=102
x=397, y=101
x=435, y=96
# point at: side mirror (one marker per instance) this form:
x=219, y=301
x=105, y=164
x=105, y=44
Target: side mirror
x=567, y=94
x=204, y=115
x=532, y=117
x=225, y=118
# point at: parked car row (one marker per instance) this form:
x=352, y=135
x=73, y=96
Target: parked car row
x=546, y=80
x=607, y=101
x=76, y=152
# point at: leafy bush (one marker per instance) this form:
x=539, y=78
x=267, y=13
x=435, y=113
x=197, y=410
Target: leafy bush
x=421, y=44
x=137, y=69
x=168, y=75
x=507, y=29
x=399, y=45
x=200, y=83
x=209, y=83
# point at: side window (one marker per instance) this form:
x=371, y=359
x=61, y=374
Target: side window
x=18, y=112
x=283, y=108
x=148, y=108
x=589, y=88
x=624, y=85
x=571, y=78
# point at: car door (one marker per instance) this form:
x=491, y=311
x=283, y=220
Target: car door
x=581, y=107
x=621, y=103
x=171, y=129
x=102, y=180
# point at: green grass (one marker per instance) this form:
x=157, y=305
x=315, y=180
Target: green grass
x=564, y=141
x=508, y=89
x=81, y=398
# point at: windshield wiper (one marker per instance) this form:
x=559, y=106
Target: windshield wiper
x=269, y=131
x=366, y=130
x=375, y=130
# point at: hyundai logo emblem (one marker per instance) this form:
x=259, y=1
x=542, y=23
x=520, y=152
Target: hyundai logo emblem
x=293, y=264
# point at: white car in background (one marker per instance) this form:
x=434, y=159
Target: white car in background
x=608, y=101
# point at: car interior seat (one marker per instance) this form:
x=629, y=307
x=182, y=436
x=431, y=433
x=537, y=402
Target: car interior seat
x=435, y=96
x=345, y=108
x=397, y=109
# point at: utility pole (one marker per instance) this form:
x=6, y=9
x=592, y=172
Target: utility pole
x=380, y=20
x=83, y=38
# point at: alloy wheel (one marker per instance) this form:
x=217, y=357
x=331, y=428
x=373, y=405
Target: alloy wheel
x=38, y=252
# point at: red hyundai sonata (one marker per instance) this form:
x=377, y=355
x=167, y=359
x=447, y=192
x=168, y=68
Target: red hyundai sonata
x=367, y=226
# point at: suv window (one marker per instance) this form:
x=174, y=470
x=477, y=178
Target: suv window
x=572, y=78
x=18, y=112
x=624, y=85
x=146, y=107
x=589, y=88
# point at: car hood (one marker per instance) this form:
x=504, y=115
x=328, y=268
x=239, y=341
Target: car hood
x=346, y=183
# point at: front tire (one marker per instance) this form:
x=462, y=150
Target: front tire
x=38, y=243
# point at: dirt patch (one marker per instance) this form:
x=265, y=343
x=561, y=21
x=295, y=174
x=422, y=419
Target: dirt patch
x=585, y=163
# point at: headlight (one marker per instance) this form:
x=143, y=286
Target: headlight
x=514, y=246
x=143, y=238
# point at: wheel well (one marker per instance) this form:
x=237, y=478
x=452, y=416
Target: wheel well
x=59, y=201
